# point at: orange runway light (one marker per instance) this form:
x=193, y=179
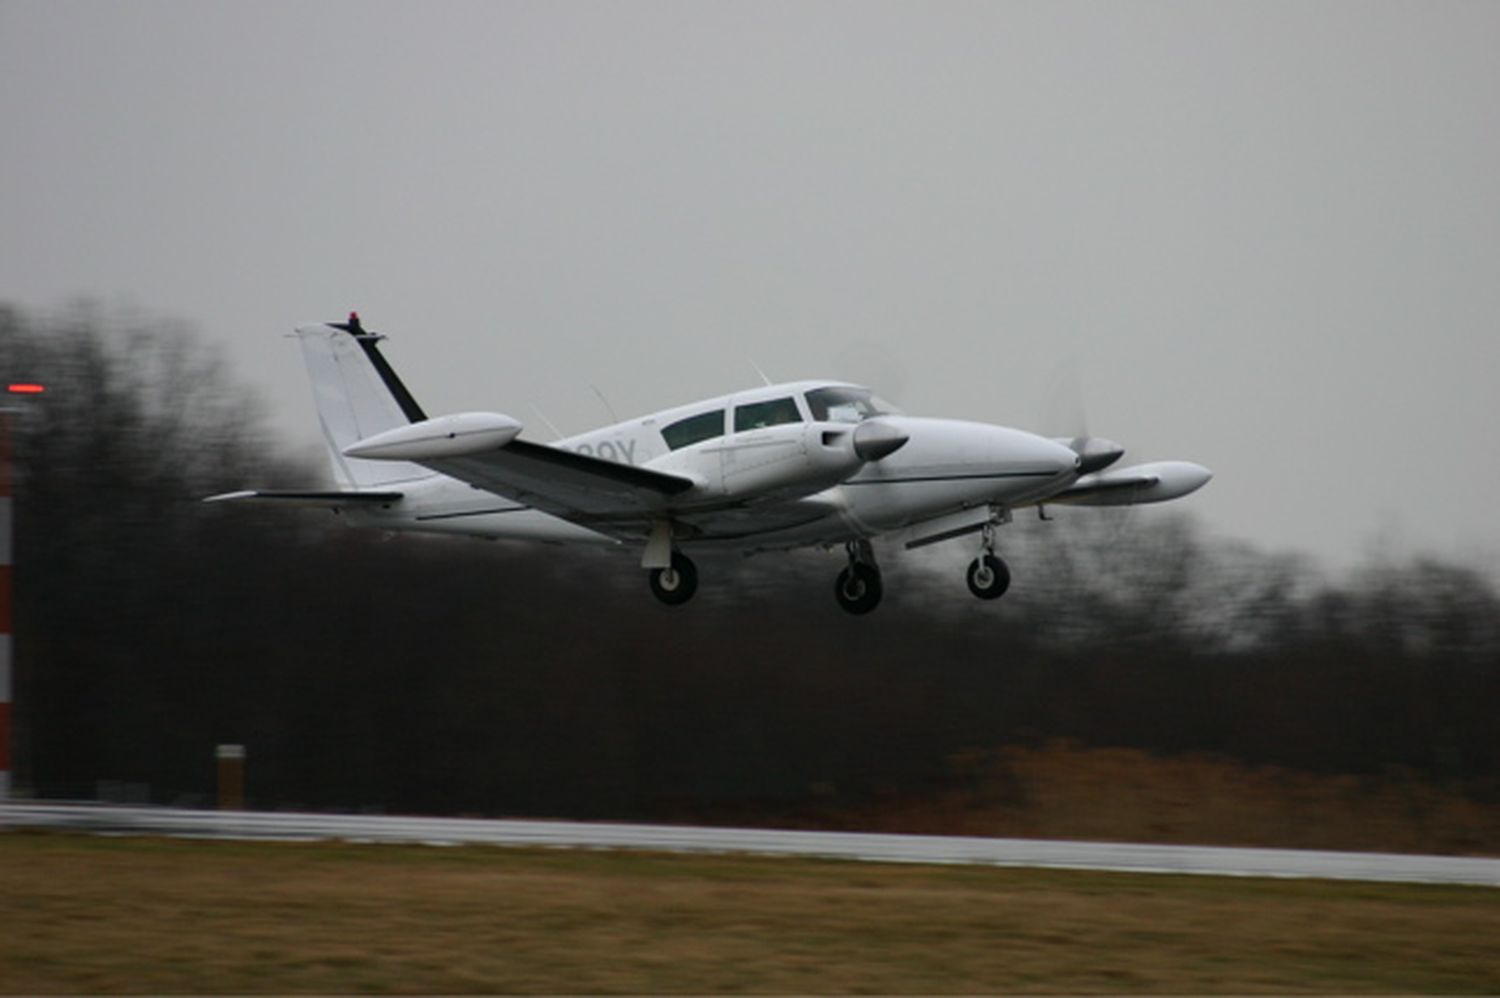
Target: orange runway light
x=27, y=388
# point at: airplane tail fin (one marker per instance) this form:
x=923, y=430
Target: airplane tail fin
x=357, y=395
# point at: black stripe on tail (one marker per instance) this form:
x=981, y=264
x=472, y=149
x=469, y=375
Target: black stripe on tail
x=409, y=407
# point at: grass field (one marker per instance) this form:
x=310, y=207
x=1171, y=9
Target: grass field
x=84, y=914
x=1063, y=790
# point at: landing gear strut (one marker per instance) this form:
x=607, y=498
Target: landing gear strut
x=676, y=584
x=988, y=575
x=858, y=588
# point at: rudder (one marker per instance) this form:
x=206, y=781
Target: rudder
x=357, y=395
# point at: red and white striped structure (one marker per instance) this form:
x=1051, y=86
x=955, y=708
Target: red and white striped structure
x=5, y=615
x=7, y=535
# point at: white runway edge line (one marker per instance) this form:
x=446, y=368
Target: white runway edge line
x=934, y=849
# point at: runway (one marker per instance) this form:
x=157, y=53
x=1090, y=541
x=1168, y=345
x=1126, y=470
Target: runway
x=867, y=847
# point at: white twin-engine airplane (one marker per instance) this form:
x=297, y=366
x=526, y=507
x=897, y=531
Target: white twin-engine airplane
x=818, y=463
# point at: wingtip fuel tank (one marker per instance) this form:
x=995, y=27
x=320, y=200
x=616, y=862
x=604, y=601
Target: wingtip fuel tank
x=443, y=436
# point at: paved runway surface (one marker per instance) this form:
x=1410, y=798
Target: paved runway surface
x=940, y=849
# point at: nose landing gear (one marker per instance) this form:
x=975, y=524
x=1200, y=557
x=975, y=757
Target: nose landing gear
x=988, y=575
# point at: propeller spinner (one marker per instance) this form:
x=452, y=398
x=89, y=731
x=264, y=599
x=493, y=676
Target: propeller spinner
x=874, y=440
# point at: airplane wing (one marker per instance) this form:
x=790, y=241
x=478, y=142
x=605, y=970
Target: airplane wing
x=319, y=500
x=481, y=448
x=617, y=499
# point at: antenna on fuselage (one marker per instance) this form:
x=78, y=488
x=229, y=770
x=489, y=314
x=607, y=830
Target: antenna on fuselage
x=543, y=417
x=607, y=407
x=762, y=374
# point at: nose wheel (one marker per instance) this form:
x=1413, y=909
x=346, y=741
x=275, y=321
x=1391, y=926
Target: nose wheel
x=676, y=584
x=988, y=575
x=858, y=589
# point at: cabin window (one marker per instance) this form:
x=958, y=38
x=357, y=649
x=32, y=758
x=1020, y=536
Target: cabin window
x=694, y=429
x=756, y=415
x=837, y=404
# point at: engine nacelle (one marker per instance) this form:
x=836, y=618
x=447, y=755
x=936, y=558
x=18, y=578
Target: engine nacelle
x=775, y=463
x=785, y=462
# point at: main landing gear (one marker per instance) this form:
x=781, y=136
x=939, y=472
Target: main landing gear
x=858, y=588
x=677, y=583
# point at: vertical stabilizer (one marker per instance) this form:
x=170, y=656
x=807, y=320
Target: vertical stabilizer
x=357, y=395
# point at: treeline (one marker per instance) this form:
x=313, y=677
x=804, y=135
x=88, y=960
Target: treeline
x=449, y=676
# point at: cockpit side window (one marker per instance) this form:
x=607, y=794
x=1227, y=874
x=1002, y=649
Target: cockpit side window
x=837, y=404
x=756, y=415
x=694, y=429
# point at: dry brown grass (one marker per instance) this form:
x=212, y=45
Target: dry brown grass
x=137, y=916
x=1064, y=790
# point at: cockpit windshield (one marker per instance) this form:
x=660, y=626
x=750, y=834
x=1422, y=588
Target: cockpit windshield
x=841, y=404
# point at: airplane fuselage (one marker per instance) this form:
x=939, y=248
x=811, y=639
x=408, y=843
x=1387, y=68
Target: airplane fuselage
x=781, y=485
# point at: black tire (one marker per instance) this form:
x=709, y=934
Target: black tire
x=858, y=588
x=676, y=585
x=988, y=577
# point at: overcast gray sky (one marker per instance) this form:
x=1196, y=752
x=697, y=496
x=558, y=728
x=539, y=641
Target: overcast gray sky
x=1267, y=234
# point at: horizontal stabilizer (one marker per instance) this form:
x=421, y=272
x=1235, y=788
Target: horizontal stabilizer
x=316, y=500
